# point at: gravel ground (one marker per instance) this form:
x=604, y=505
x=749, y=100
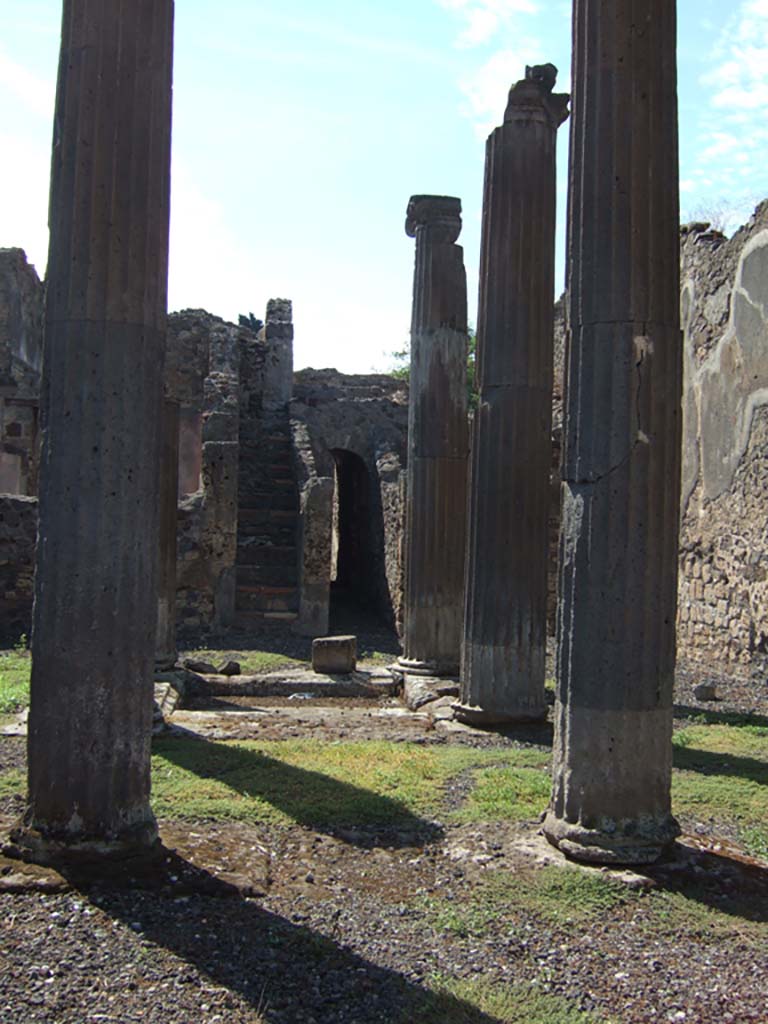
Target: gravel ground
x=337, y=929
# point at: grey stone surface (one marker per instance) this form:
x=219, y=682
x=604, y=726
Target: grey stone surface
x=95, y=590
x=438, y=440
x=505, y=627
x=334, y=655
x=621, y=467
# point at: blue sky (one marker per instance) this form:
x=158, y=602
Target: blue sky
x=301, y=129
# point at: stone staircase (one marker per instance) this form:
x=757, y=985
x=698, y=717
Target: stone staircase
x=267, y=565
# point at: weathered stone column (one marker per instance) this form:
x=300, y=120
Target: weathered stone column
x=165, y=644
x=505, y=628
x=437, y=441
x=96, y=582
x=621, y=466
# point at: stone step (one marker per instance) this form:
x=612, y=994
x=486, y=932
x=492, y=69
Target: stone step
x=276, y=500
x=266, y=598
x=262, y=516
x=249, y=619
x=257, y=576
x=250, y=552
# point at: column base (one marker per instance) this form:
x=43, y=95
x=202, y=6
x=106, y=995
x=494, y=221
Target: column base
x=414, y=667
x=628, y=842
x=140, y=843
x=472, y=714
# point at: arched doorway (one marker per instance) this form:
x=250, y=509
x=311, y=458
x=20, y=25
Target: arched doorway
x=355, y=555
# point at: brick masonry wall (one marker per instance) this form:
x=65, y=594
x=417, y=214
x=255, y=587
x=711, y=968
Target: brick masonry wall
x=723, y=591
x=18, y=534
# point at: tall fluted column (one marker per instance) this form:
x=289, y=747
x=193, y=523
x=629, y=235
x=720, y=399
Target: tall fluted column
x=95, y=589
x=437, y=441
x=621, y=471
x=165, y=643
x=505, y=629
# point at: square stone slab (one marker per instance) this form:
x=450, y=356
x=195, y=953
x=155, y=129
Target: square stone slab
x=335, y=655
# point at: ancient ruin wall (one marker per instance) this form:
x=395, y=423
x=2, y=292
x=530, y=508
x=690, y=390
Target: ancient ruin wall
x=366, y=415
x=18, y=534
x=723, y=606
x=21, y=341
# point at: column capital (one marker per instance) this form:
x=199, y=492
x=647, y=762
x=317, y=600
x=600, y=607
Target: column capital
x=532, y=97
x=440, y=215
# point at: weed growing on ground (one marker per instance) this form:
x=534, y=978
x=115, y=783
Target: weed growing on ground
x=251, y=662
x=722, y=773
x=509, y=793
x=707, y=915
x=558, y=895
x=15, y=667
x=308, y=781
x=480, y=1002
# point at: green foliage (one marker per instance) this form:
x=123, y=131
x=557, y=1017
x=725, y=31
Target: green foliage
x=251, y=322
x=402, y=368
x=15, y=667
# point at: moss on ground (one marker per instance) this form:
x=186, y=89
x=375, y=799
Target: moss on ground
x=252, y=662
x=15, y=666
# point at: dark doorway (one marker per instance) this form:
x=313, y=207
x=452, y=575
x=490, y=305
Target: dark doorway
x=356, y=566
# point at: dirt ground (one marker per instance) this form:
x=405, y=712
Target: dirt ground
x=286, y=923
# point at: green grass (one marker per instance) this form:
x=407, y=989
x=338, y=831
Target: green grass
x=482, y=1002
x=708, y=915
x=558, y=895
x=251, y=662
x=516, y=792
x=13, y=783
x=308, y=781
x=15, y=666
x=721, y=773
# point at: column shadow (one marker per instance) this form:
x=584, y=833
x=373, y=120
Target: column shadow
x=309, y=798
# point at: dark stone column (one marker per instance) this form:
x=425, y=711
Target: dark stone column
x=437, y=441
x=505, y=629
x=621, y=467
x=165, y=645
x=96, y=581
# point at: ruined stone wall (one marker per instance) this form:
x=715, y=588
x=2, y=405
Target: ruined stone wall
x=22, y=298
x=723, y=606
x=366, y=415
x=203, y=373
x=18, y=535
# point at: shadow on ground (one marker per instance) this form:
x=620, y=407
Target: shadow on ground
x=712, y=717
x=732, y=885
x=309, y=798
x=729, y=766
x=286, y=971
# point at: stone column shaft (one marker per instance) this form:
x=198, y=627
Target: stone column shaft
x=95, y=588
x=621, y=468
x=165, y=645
x=504, y=651
x=437, y=441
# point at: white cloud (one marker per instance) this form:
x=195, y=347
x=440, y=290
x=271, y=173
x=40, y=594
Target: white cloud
x=34, y=93
x=487, y=88
x=484, y=18
x=732, y=130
